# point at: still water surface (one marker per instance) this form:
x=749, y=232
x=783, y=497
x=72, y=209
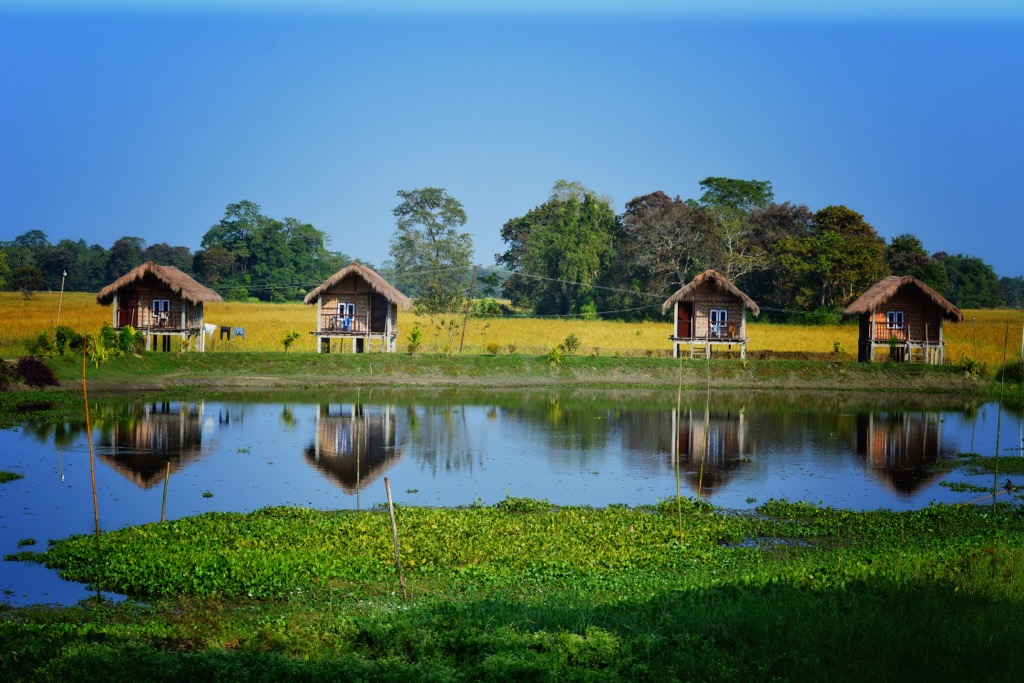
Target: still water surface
x=181, y=458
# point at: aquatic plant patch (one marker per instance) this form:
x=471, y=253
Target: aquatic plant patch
x=528, y=590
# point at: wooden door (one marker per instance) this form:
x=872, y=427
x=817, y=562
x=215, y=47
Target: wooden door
x=378, y=314
x=684, y=319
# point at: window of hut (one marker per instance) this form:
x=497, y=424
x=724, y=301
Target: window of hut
x=894, y=320
x=719, y=318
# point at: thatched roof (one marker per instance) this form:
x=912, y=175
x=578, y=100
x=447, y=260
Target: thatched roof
x=372, y=277
x=885, y=289
x=715, y=279
x=175, y=280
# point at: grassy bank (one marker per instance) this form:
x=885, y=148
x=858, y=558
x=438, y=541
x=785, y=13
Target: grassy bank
x=159, y=371
x=528, y=591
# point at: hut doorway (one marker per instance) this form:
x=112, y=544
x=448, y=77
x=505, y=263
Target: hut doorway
x=684, y=320
x=378, y=314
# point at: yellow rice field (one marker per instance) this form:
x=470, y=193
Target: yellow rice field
x=980, y=337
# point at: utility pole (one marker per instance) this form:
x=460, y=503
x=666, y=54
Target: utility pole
x=60, y=301
x=469, y=302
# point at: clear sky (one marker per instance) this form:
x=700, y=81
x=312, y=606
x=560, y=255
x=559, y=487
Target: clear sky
x=116, y=120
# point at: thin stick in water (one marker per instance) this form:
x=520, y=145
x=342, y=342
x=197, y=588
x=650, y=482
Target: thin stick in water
x=394, y=537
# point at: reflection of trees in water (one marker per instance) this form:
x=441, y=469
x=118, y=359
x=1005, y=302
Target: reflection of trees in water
x=440, y=437
x=569, y=424
x=354, y=443
x=140, y=440
x=901, y=448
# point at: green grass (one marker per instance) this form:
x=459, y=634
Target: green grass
x=151, y=371
x=525, y=590
x=6, y=476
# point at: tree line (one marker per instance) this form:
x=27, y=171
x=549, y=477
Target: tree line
x=243, y=256
x=573, y=255
x=570, y=255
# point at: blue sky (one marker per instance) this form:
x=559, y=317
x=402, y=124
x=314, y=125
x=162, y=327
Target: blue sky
x=120, y=121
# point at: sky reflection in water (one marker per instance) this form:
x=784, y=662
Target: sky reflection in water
x=581, y=449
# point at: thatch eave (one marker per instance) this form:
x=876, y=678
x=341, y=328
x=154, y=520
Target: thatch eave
x=718, y=281
x=169, y=276
x=883, y=290
x=372, y=277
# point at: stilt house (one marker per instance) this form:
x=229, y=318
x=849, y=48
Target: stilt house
x=709, y=311
x=162, y=302
x=904, y=315
x=357, y=303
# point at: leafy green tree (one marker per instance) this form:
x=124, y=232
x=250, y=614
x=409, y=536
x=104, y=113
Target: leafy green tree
x=214, y=265
x=972, y=282
x=235, y=232
x=1012, y=289
x=5, y=270
x=731, y=201
x=741, y=195
x=248, y=252
x=24, y=249
x=431, y=259
x=558, y=250
x=27, y=279
x=905, y=255
x=125, y=254
x=839, y=259
x=164, y=254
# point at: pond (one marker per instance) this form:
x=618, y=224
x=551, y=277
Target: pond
x=173, y=459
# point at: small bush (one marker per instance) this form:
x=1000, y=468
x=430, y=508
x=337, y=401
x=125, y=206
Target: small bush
x=493, y=348
x=571, y=343
x=487, y=308
x=972, y=367
x=42, y=347
x=68, y=340
x=289, y=338
x=1012, y=371
x=415, y=340
x=555, y=355
x=36, y=373
x=129, y=340
x=8, y=375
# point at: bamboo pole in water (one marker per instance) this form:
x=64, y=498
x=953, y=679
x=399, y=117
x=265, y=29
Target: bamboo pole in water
x=92, y=462
x=167, y=478
x=999, y=417
x=394, y=537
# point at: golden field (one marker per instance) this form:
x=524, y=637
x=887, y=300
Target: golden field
x=980, y=337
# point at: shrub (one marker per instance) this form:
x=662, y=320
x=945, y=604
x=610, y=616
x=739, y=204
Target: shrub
x=8, y=375
x=1013, y=371
x=68, y=340
x=97, y=348
x=487, y=308
x=129, y=340
x=36, y=373
x=415, y=339
x=41, y=346
x=289, y=338
x=972, y=367
x=555, y=355
x=493, y=348
x=571, y=343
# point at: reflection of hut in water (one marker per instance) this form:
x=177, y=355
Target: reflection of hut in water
x=354, y=444
x=717, y=439
x=140, y=445
x=901, y=448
